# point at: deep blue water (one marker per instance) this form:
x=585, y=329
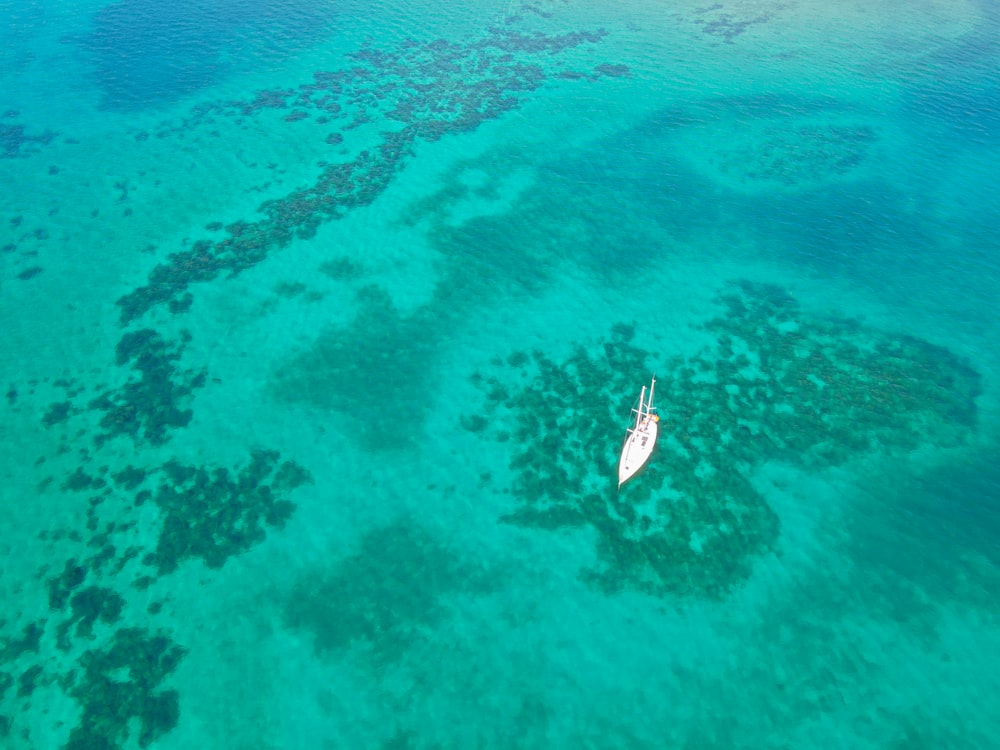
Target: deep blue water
x=151, y=55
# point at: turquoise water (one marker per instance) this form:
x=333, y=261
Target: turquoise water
x=321, y=324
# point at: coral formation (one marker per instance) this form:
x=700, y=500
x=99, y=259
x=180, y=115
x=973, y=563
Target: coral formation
x=110, y=704
x=427, y=89
x=207, y=512
x=29, y=273
x=92, y=604
x=213, y=515
x=57, y=412
x=60, y=586
x=729, y=26
x=776, y=385
x=147, y=407
x=15, y=141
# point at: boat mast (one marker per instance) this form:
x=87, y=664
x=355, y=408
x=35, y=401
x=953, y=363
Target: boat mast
x=650, y=402
x=638, y=413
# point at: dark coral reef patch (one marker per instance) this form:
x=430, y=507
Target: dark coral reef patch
x=776, y=385
x=29, y=273
x=151, y=402
x=111, y=704
x=212, y=514
x=416, y=92
x=15, y=141
x=715, y=21
x=207, y=512
x=148, y=405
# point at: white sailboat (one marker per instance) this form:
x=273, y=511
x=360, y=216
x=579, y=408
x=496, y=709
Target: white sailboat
x=640, y=438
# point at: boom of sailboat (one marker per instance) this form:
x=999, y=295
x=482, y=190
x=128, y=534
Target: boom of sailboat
x=640, y=438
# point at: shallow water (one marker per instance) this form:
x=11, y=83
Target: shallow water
x=321, y=327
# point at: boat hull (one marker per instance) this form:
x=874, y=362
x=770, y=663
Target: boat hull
x=637, y=449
